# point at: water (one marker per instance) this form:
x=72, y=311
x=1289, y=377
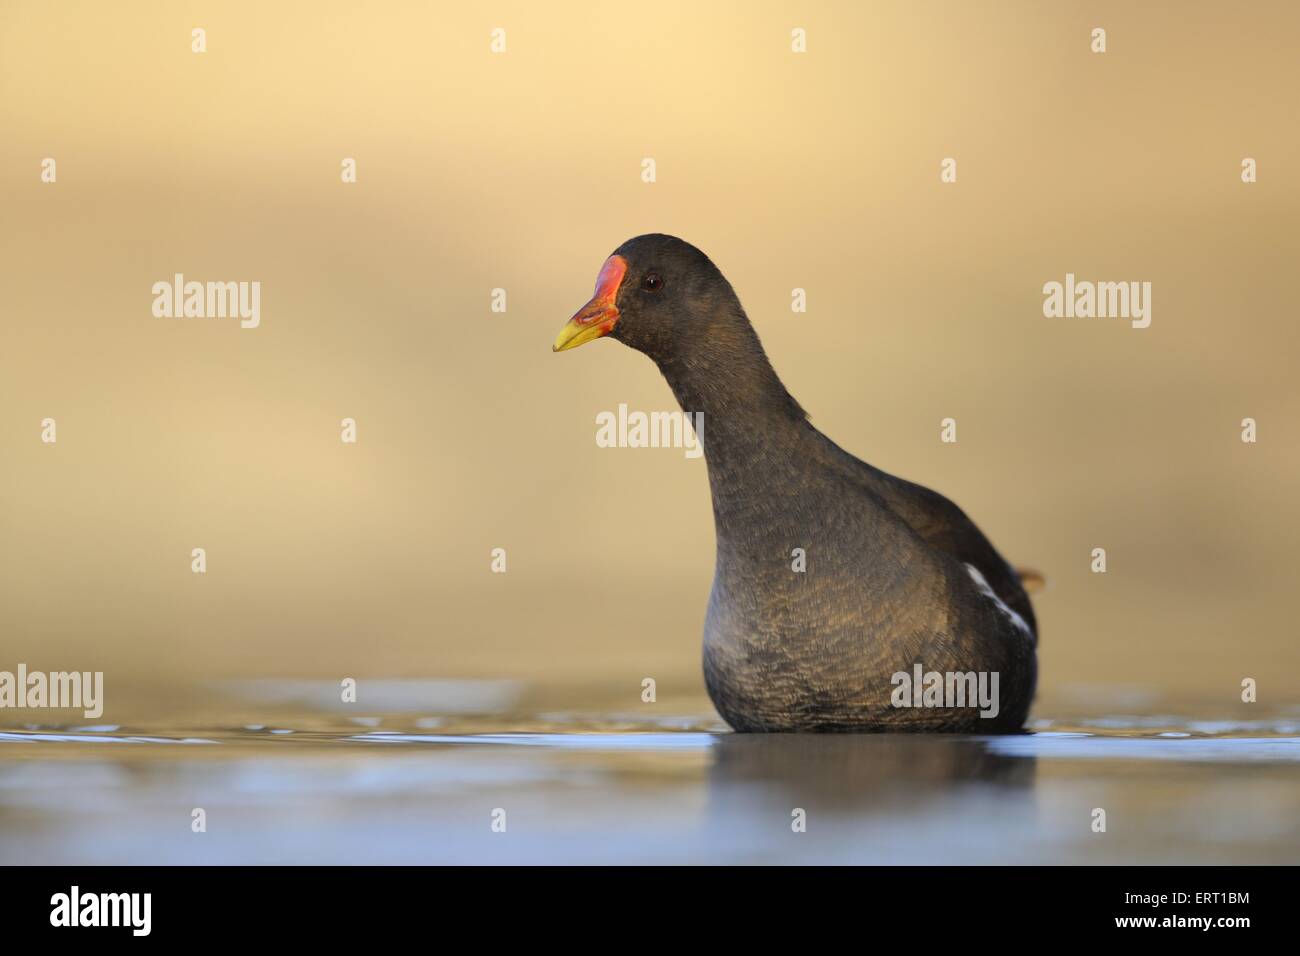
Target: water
x=286, y=776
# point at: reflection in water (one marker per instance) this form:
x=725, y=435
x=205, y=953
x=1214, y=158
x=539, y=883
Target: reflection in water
x=848, y=773
x=869, y=799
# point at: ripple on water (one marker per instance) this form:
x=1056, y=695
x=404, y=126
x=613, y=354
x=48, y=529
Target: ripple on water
x=570, y=741
x=1183, y=747
x=1137, y=738
x=94, y=738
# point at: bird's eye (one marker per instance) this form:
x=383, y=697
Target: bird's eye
x=652, y=282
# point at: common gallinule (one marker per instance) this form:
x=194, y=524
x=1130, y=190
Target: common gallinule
x=896, y=615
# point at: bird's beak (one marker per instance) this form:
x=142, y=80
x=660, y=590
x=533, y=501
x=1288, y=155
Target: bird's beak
x=598, y=316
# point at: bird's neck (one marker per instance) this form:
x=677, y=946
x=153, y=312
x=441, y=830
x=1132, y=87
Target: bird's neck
x=754, y=432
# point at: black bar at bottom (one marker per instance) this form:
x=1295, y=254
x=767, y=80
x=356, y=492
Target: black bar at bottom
x=369, y=904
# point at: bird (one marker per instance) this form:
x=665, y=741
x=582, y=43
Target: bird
x=896, y=582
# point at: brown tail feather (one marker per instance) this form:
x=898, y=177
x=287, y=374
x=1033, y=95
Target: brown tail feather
x=1031, y=581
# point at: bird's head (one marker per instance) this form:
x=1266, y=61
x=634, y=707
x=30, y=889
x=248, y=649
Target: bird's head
x=655, y=294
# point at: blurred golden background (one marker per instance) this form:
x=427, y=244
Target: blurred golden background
x=521, y=171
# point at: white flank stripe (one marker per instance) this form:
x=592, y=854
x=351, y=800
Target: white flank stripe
x=988, y=592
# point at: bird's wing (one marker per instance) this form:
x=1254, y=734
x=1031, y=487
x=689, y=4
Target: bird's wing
x=941, y=525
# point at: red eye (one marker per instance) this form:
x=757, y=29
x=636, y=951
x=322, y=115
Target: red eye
x=652, y=282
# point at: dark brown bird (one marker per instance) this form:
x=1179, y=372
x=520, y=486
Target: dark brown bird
x=903, y=618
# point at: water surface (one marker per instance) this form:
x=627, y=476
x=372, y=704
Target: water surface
x=285, y=779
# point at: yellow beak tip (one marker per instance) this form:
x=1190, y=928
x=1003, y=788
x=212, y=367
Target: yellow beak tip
x=571, y=336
